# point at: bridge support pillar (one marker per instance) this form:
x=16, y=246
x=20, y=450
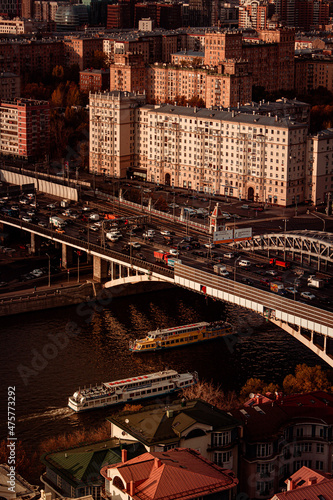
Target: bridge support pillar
x=100, y=269
x=66, y=255
x=35, y=241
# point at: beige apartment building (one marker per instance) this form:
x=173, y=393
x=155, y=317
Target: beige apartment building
x=320, y=167
x=254, y=157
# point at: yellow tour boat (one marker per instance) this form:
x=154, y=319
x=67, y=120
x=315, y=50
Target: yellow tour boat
x=178, y=336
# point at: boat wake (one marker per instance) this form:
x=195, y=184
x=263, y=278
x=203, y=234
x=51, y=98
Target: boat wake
x=51, y=413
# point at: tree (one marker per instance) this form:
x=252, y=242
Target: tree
x=58, y=72
x=255, y=385
x=58, y=96
x=212, y=395
x=306, y=379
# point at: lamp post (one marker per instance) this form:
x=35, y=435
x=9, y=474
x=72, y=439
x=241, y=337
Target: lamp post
x=235, y=266
x=78, y=253
x=49, y=276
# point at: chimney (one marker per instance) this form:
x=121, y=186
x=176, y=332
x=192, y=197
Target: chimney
x=132, y=489
x=157, y=463
x=124, y=456
x=259, y=399
x=291, y=484
x=312, y=480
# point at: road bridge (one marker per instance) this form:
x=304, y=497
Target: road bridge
x=308, y=245
x=310, y=325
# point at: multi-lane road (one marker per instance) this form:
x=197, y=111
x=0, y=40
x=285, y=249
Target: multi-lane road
x=80, y=226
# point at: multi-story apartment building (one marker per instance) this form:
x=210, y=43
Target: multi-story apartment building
x=24, y=128
x=81, y=50
x=230, y=68
x=280, y=436
x=94, y=80
x=31, y=56
x=255, y=14
x=15, y=26
x=249, y=156
x=319, y=169
x=10, y=86
x=312, y=72
x=305, y=14
x=112, y=129
x=45, y=10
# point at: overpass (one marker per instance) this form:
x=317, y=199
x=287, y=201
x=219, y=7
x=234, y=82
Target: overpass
x=311, y=246
x=310, y=325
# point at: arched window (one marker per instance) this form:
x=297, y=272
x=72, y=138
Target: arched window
x=118, y=483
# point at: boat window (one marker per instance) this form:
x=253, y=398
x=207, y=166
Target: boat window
x=132, y=395
x=148, y=391
x=172, y=342
x=154, y=390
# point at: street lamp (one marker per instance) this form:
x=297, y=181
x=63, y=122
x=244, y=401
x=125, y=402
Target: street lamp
x=49, y=280
x=78, y=253
x=238, y=258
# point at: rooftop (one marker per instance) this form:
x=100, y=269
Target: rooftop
x=180, y=473
x=166, y=425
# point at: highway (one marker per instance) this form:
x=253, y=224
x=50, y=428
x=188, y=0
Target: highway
x=89, y=234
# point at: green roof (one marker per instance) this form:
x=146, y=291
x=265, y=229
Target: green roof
x=82, y=465
x=157, y=424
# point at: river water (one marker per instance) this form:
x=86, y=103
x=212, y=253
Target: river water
x=48, y=355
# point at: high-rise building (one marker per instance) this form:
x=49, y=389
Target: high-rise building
x=255, y=14
x=304, y=14
x=24, y=128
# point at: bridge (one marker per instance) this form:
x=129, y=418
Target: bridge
x=310, y=325
x=309, y=245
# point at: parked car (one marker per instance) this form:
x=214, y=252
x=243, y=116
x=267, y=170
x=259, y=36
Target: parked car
x=174, y=251
x=229, y=255
x=165, y=233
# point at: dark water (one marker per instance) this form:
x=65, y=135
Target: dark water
x=45, y=374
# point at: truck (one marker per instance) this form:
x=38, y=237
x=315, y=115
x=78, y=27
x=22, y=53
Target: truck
x=219, y=268
x=280, y=263
x=64, y=203
x=315, y=282
x=161, y=256
x=276, y=287
x=171, y=261
x=57, y=221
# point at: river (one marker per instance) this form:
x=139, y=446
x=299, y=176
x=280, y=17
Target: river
x=46, y=364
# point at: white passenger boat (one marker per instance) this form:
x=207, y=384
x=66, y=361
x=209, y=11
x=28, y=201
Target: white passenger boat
x=131, y=389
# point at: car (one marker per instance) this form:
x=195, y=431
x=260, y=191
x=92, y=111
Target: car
x=209, y=245
x=94, y=228
x=247, y=281
x=174, y=251
x=165, y=233
x=51, y=205
x=24, y=201
x=173, y=205
x=37, y=273
x=135, y=244
x=199, y=253
x=308, y=295
x=26, y=218
x=225, y=274
x=86, y=209
x=271, y=272
x=244, y=263
x=291, y=289
x=195, y=244
x=74, y=216
x=31, y=213
x=42, y=224
x=60, y=230
x=113, y=238
x=245, y=207
x=265, y=282
x=236, y=216
x=229, y=255
x=226, y=215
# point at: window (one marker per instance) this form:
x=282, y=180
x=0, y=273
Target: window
x=221, y=438
x=221, y=457
x=264, y=449
x=319, y=465
x=320, y=448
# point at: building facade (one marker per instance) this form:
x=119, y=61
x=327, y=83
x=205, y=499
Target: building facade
x=320, y=167
x=81, y=50
x=256, y=157
x=94, y=80
x=10, y=86
x=24, y=128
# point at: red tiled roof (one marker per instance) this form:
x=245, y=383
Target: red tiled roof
x=304, y=475
x=179, y=473
x=265, y=419
x=322, y=491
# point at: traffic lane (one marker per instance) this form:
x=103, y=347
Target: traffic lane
x=269, y=300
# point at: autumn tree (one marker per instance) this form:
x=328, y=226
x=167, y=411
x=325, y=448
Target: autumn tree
x=58, y=72
x=213, y=395
x=257, y=386
x=100, y=60
x=306, y=379
x=58, y=96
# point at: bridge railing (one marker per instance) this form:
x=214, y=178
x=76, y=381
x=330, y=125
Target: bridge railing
x=89, y=247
